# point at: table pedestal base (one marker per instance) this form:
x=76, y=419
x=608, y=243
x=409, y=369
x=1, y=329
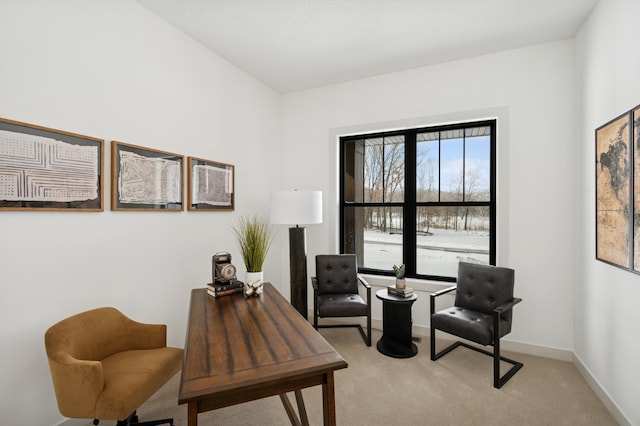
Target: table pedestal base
x=393, y=349
x=396, y=339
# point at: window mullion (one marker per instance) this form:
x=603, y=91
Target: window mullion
x=439, y=166
x=409, y=206
x=464, y=166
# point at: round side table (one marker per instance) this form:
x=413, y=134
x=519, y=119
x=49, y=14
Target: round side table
x=396, y=325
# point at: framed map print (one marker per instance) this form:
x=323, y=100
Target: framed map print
x=613, y=193
x=210, y=185
x=48, y=169
x=636, y=188
x=145, y=179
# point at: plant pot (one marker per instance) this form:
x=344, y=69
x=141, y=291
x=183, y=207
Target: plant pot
x=400, y=283
x=253, y=283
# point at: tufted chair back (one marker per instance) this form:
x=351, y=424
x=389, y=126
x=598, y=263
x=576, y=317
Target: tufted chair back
x=482, y=288
x=337, y=274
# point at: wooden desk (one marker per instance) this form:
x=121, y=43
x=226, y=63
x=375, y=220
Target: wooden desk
x=239, y=350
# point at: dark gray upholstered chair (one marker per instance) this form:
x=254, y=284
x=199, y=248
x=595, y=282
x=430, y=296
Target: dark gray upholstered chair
x=335, y=292
x=482, y=313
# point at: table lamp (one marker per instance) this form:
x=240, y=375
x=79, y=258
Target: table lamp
x=297, y=208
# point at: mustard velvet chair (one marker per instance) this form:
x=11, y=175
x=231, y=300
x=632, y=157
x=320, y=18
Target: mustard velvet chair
x=105, y=365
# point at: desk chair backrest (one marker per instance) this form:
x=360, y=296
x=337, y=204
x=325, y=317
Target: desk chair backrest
x=75, y=347
x=337, y=274
x=482, y=288
x=94, y=335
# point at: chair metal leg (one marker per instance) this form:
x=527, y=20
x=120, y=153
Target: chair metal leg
x=496, y=364
x=498, y=380
x=368, y=339
x=315, y=309
x=432, y=342
x=432, y=337
x=435, y=356
x=365, y=337
x=132, y=420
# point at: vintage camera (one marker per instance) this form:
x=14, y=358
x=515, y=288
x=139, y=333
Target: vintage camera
x=223, y=270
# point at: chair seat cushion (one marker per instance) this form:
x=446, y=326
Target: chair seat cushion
x=341, y=305
x=131, y=377
x=470, y=325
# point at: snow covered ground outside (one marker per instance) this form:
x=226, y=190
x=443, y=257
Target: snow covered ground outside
x=438, y=254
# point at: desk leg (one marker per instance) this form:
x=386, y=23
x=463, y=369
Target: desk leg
x=192, y=415
x=293, y=418
x=302, y=410
x=329, y=400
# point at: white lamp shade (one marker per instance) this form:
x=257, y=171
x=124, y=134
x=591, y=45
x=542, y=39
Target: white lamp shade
x=296, y=207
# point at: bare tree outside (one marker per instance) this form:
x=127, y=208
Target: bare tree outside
x=373, y=170
x=384, y=180
x=427, y=179
x=471, y=182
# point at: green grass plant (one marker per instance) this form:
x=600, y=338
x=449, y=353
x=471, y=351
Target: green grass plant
x=254, y=238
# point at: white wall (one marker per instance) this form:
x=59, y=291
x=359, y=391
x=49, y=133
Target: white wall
x=531, y=90
x=606, y=325
x=112, y=70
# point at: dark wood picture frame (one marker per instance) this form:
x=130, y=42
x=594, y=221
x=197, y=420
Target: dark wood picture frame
x=613, y=192
x=44, y=169
x=146, y=179
x=211, y=185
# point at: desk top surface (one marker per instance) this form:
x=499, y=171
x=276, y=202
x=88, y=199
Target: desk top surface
x=235, y=343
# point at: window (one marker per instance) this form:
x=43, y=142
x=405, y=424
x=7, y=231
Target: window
x=423, y=197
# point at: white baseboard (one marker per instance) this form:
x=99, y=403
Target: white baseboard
x=600, y=392
x=507, y=345
x=75, y=422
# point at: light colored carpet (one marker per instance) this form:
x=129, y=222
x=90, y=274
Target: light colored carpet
x=455, y=390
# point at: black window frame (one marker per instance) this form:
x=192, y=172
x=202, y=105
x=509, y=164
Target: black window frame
x=409, y=203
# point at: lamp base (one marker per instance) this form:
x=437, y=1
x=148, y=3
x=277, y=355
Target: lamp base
x=298, y=269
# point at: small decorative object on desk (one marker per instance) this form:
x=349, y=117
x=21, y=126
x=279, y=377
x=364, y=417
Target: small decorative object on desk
x=218, y=289
x=399, y=271
x=400, y=292
x=253, y=286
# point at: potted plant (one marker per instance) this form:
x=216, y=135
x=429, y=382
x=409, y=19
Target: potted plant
x=399, y=271
x=254, y=239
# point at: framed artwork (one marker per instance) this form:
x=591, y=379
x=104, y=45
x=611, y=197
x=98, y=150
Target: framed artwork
x=211, y=185
x=145, y=179
x=613, y=192
x=49, y=170
x=636, y=188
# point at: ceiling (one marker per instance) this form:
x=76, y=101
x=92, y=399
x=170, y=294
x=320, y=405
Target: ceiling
x=292, y=45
